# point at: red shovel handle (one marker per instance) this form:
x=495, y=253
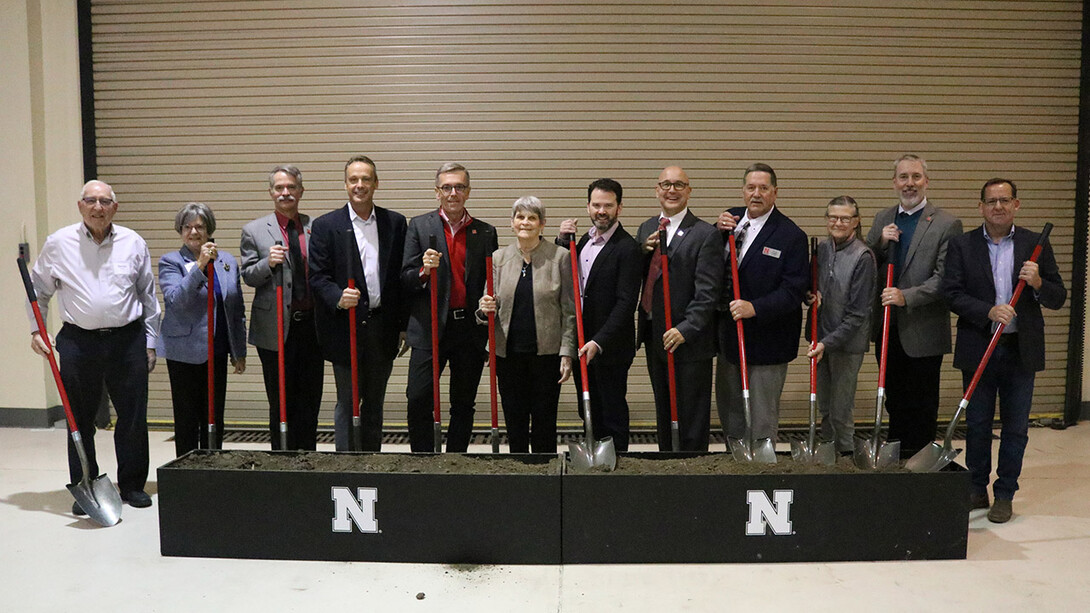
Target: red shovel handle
x=813, y=312
x=886, y=313
x=280, y=345
x=210, y=273
x=353, y=332
x=670, y=376
x=433, y=288
x=1013, y=301
x=491, y=345
x=579, y=335
x=738, y=323
x=33, y=298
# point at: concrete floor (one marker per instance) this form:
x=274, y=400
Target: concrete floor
x=52, y=561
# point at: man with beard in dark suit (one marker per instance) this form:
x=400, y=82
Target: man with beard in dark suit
x=371, y=240
x=610, y=270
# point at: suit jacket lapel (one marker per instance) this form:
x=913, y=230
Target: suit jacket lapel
x=603, y=256
x=980, y=253
x=926, y=216
x=682, y=231
x=759, y=241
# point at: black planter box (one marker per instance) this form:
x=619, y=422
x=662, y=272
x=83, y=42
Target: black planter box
x=654, y=518
x=377, y=517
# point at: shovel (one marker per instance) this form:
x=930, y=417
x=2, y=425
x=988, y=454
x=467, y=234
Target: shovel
x=280, y=356
x=492, y=360
x=211, y=278
x=935, y=457
x=356, y=444
x=873, y=453
x=671, y=378
x=745, y=450
x=97, y=497
x=805, y=451
x=589, y=453
x=433, y=289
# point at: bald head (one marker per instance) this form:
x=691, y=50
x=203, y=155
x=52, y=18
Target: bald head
x=673, y=190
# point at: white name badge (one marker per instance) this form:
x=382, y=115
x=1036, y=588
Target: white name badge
x=771, y=252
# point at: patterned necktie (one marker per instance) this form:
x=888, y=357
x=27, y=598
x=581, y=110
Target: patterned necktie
x=740, y=237
x=653, y=273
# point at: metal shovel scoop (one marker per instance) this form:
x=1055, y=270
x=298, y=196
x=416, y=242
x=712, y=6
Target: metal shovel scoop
x=747, y=449
x=809, y=451
x=97, y=497
x=588, y=453
x=873, y=453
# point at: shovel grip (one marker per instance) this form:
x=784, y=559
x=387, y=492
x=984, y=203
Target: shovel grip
x=31, y=295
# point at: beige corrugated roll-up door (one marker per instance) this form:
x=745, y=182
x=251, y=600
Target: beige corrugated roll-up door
x=198, y=100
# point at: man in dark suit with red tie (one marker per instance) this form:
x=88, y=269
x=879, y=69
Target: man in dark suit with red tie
x=370, y=239
x=695, y=254
x=461, y=245
x=610, y=267
x=983, y=266
x=773, y=275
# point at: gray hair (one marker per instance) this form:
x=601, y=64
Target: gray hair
x=451, y=167
x=192, y=210
x=910, y=157
x=83, y=192
x=529, y=204
x=288, y=168
x=847, y=201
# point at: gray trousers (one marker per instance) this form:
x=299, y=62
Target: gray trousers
x=837, y=377
x=765, y=386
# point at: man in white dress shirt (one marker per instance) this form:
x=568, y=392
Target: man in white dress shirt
x=101, y=275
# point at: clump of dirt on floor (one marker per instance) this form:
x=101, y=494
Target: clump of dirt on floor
x=451, y=463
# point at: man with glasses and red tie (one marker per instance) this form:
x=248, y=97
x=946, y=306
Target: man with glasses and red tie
x=462, y=243
x=271, y=244
x=773, y=276
x=101, y=275
x=694, y=253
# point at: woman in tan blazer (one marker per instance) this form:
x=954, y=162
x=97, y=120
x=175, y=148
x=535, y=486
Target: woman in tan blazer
x=535, y=335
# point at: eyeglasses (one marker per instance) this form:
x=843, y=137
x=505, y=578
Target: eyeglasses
x=196, y=226
x=844, y=219
x=90, y=201
x=678, y=185
x=995, y=201
x=457, y=188
x=751, y=188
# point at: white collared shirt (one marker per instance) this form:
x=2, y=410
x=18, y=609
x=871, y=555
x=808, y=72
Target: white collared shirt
x=366, y=231
x=98, y=285
x=913, y=210
x=755, y=226
x=675, y=223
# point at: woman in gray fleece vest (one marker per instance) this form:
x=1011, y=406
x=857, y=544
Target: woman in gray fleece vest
x=846, y=288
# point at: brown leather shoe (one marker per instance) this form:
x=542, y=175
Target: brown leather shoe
x=1000, y=512
x=978, y=501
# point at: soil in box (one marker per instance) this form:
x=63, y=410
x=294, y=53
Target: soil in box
x=367, y=507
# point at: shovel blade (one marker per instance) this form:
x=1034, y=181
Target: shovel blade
x=764, y=451
x=889, y=454
x=800, y=451
x=99, y=499
x=739, y=450
x=605, y=453
x=584, y=458
x=825, y=454
x=931, y=459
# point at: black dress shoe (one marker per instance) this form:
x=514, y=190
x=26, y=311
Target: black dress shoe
x=78, y=510
x=136, y=498
x=1001, y=511
x=978, y=501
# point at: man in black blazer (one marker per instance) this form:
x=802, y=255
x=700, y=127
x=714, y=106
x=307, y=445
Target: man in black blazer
x=694, y=251
x=462, y=244
x=983, y=266
x=371, y=240
x=610, y=266
x=773, y=274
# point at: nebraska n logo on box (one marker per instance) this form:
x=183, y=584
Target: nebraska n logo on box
x=358, y=509
x=765, y=513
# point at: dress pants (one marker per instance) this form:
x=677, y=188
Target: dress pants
x=912, y=396
x=530, y=391
x=304, y=372
x=694, y=400
x=608, y=403
x=189, y=397
x=375, y=363
x=118, y=358
x=837, y=381
x=1006, y=377
x=765, y=388
x=458, y=347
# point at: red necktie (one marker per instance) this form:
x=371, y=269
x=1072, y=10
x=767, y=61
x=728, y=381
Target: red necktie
x=653, y=273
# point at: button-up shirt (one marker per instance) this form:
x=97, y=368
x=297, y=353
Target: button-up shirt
x=755, y=226
x=596, y=241
x=366, y=231
x=98, y=285
x=1002, y=257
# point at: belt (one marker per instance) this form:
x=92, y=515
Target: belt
x=104, y=331
x=458, y=314
x=1008, y=339
x=302, y=315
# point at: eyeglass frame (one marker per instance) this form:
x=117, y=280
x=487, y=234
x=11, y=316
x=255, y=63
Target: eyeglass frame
x=457, y=188
x=675, y=185
x=92, y=201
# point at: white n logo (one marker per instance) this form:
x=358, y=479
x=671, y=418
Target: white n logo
x=361, y=512
x=763, y=512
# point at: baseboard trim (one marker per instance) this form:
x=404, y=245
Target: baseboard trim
x=30, y=418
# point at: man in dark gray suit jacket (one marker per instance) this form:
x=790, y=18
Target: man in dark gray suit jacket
x=695, y=254
x=610, y=269
x=267, y=248
x=919, y=333
x=461, y=245
x=983, y=266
